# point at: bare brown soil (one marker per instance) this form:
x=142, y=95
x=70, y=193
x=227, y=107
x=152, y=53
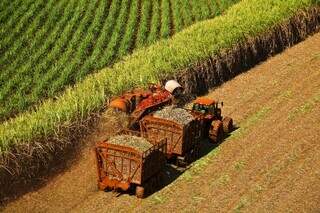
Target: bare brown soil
x=271, y=163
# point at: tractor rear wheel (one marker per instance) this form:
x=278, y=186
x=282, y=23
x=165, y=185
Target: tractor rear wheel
x=227, y=125
x=216, y=131
x=139, y=191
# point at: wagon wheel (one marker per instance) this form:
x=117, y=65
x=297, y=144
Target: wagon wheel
x=154, y=183
x=196, y=153
x=161, y=178
x=188, y=158
x=227, y=125
x=193, y=155
x=140, y=191
x=107, y=189
x=181, y=161
x=216, y=133
x=148, y=186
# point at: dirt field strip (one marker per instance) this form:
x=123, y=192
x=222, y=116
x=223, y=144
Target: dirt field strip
x=271, y=163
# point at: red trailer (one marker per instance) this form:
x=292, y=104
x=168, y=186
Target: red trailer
x=183, y=141
x=123, y=167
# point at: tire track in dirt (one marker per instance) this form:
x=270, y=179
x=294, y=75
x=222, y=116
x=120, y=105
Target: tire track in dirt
x=271, y=163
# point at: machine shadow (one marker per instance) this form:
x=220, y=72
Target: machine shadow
x=173, y=172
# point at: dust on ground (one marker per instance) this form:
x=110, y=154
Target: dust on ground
x=271, y=163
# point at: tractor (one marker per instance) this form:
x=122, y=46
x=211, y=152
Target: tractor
x=215, y=126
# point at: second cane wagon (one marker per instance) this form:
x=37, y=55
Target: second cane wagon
x=183, y=136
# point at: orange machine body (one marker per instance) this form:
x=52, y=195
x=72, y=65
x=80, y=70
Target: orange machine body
x=205, y=101
x=139, y=103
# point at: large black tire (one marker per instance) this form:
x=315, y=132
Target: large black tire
x=216, y=132
x=227, y=125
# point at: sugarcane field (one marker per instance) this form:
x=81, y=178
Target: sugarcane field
x=160, y=106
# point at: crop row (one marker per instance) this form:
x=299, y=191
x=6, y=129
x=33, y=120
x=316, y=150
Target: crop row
x=204, y=40
x=49, y=45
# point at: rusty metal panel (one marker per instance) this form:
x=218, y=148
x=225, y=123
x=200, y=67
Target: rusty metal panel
x=180, y=139
x=120, y=163
x=119, y=166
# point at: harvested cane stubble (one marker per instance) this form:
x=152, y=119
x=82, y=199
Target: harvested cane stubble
x=138, y=143
x=178, y=115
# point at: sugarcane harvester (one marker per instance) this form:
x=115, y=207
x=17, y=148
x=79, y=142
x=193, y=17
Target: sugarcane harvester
x=138, y=102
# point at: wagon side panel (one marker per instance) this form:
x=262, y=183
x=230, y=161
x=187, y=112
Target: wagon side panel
x=155, y=129
x=119, y=164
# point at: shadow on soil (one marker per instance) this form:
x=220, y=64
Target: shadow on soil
x=67, y=158
x=172, y=171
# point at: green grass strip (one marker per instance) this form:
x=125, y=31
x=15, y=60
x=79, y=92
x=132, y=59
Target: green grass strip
x=247, y=19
